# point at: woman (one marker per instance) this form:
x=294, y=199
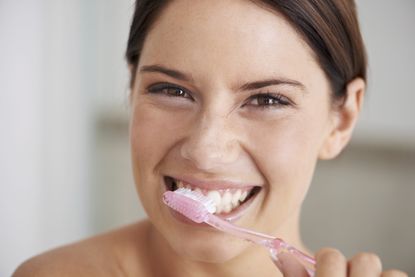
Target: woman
x=238, y=99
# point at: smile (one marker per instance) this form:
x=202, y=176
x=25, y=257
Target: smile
x=226, y=198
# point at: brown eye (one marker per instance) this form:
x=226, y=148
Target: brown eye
x=268, y=100
x=169, y=90
x=174, y=92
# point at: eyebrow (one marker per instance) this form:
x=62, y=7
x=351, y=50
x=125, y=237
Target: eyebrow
x=176, y=74
x=272, y=82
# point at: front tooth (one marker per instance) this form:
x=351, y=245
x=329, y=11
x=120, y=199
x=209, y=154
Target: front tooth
x=198, y=190
x=226, y=203
x=243, y=196
x=227, y=198
x=227, y=208
x=235, y=198
x=234, y=205
x=215, y=197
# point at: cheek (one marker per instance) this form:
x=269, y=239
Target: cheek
x=286, y=153
x=288, y=163
x=151, y=135
x=147, y=147
x=292, y=150
x=287, y=147
x=143, y=141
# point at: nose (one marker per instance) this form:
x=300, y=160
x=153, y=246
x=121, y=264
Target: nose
x=212, y=143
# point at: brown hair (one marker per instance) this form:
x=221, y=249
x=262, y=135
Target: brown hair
x=329, y=27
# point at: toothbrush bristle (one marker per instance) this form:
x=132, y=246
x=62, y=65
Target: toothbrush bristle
x=191, y=204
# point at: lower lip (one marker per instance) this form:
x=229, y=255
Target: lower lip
x=230, y=217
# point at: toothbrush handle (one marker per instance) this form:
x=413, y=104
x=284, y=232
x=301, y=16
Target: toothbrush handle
x=278, y=246
x=274, y=245
x=239, y=232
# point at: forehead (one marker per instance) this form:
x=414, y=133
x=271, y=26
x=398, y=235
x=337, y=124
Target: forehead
x=227, y=37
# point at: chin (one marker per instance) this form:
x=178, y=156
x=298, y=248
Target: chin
x=211, y=250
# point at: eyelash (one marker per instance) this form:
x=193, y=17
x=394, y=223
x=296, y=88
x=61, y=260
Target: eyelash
x=163, y=87
x=277, y=99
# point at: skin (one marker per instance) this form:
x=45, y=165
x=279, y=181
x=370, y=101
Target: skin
x=209, y=128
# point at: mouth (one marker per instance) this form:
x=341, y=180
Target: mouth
x=228, y=199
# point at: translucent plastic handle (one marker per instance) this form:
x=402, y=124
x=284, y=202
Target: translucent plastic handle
x=278, y=246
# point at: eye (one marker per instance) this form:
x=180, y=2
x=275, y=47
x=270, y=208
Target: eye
x=268, y=100
x=169, y=90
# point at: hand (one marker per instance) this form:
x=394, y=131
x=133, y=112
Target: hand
x=330, y=262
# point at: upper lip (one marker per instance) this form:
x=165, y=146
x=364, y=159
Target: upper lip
x=214, y=184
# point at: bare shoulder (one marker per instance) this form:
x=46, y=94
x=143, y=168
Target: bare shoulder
x=116, y=253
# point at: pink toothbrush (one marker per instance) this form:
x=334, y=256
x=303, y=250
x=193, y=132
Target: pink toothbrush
x=200, y=208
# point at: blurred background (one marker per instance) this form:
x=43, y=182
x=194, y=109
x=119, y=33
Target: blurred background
x=64, y=155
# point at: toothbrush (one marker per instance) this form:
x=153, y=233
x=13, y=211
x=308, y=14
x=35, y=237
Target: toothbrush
x=199, y=208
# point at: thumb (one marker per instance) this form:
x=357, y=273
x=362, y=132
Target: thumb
x=290, y=266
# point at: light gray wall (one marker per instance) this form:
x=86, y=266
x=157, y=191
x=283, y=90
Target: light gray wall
x=45, y=128
x=365, y=201
x=388, y=30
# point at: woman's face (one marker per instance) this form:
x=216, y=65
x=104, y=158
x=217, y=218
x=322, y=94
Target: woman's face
x=227, y=99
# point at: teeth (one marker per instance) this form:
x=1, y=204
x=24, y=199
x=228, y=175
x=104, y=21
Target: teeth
x=227, y=208
x=225, y=202
x=227, y=197
x=215, y=196
x=179, y=184
x=243, y=196
x=235, y=198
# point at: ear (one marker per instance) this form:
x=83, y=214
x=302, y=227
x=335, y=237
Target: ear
x=344, y=120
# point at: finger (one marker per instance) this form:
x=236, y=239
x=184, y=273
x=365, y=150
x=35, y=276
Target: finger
x=290, y=266
x=330, y=263
x=394, y=273
x=365, y=265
